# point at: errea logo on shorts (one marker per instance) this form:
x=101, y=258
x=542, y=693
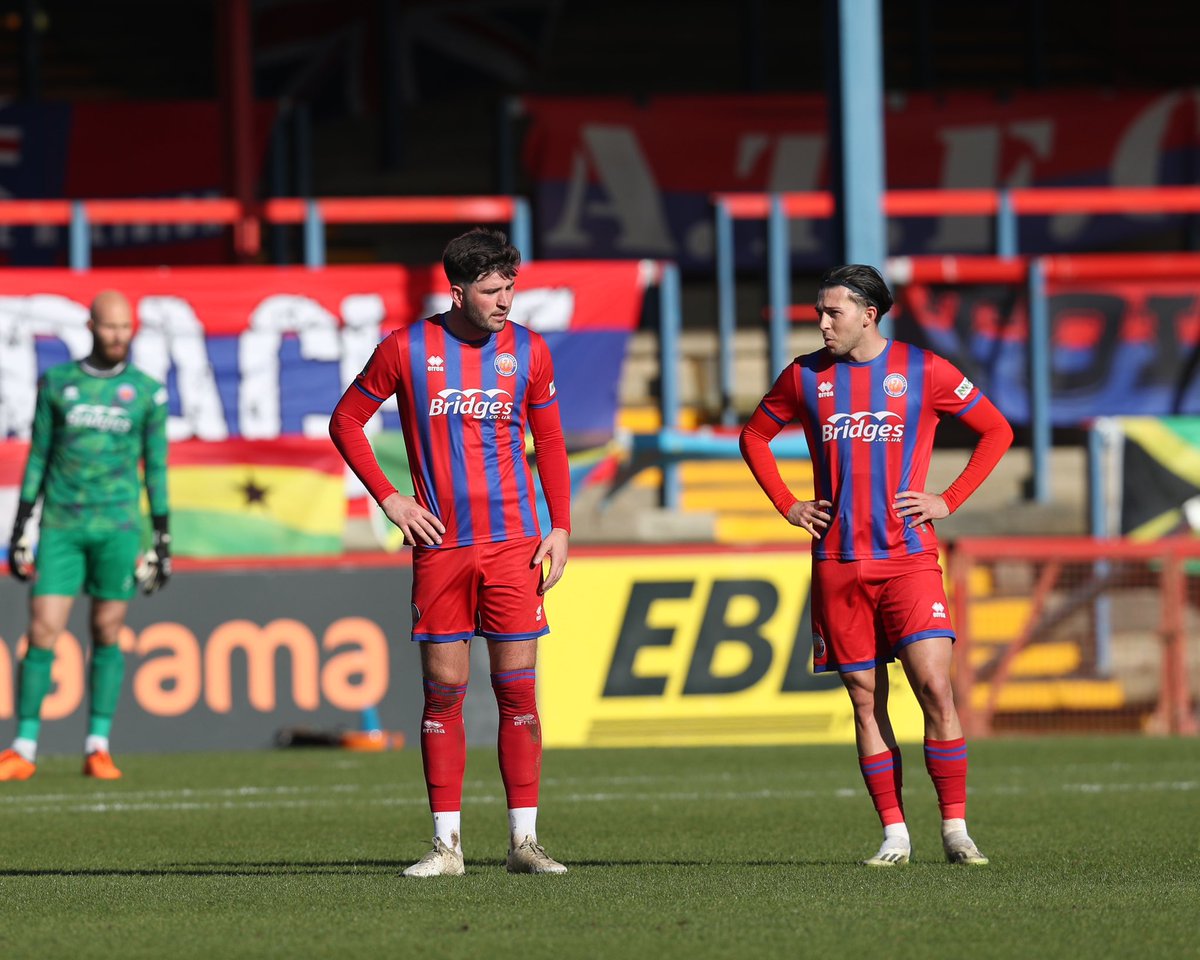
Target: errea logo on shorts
x=939, y=610
x=473, y=403
x=868, y=426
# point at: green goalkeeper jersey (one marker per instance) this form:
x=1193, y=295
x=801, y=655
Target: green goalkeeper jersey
x=91, y=431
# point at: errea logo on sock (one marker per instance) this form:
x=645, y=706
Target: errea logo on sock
x=432, y=726
x=524, y=720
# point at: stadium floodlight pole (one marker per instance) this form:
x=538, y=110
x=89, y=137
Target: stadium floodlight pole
x=1006, y=225
x=864, y=176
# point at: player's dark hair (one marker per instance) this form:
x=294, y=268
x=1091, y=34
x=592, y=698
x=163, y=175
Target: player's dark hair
x=867, y=288
x=480, y=251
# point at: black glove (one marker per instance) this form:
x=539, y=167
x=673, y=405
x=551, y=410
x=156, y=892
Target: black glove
x=20, y=546
x=154, y=569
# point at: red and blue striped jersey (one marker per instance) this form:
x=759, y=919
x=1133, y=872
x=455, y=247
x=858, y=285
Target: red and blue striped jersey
x=463, y=410
x=870, y=429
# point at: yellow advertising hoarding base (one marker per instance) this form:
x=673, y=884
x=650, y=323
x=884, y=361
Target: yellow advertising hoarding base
x=693, y=649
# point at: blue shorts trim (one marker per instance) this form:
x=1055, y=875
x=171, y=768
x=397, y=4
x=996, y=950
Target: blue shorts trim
x=923, y=635
x=849, y=667
x=442, y=637
x=505, y=637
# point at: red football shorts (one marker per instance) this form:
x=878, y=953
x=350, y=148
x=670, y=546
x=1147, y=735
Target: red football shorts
x=492, y=590
x=864, y=611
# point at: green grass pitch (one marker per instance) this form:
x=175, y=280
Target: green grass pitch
x=690, y=853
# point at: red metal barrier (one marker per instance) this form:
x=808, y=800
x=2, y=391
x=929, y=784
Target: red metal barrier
x=392, y=209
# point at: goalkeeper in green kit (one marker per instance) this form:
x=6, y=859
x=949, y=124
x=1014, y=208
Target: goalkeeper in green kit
x=96, y=420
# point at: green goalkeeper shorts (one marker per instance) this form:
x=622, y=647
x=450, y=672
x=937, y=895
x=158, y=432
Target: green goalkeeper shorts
x=101, y=563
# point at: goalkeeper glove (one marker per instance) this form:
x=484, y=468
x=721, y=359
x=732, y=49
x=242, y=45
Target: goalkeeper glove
x=154, y=569
x=20, y=546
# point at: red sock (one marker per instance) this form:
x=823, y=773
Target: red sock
x=519, y=743
x=946, y=761
x=884, y=776
x=444, y=745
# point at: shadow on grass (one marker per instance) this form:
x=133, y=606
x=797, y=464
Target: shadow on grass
x=354, y=867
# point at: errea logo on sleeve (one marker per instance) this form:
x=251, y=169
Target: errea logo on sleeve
x=963, y=389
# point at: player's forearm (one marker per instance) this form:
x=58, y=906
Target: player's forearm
x=755, y=445
x=155, y=457
x=995, y=437
x=554, y=469
x=346, y=430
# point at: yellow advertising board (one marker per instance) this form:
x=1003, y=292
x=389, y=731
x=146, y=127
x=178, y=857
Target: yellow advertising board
x=692, y=648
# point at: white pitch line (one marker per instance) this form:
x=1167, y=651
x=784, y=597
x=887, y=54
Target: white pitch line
x=282, y=798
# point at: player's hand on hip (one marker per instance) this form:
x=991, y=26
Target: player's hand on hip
x=918, y=507
x=811, y=515
x=554, y=546
x=419, y=525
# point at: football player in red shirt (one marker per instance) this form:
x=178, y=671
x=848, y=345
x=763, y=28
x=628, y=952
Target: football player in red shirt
x=869, y=407
x=467, y=383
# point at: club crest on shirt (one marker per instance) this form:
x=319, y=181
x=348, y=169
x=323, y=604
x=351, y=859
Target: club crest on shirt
x=963, y=389
x=435, y=364
x=126, y=393
x=824, y=389
x=506, y=364
x=895, y=385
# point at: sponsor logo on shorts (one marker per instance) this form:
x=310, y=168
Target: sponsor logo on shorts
x=818, y=647
x=824, y=389
x=435, y=364
x=432, y=726
x=869, y=426
x=939, y=610
x=416, y=613
x=895, y=385
x=506, y=364
x=475, y=404
x=524, y=720
x=99, y=417
x=963, y=389
x=538, y=614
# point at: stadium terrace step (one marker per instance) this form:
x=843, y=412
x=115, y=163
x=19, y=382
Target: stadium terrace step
x=1050, y=695
x=1058, y=659
x=998, y=620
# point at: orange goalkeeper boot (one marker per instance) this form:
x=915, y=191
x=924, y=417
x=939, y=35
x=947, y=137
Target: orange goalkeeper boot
x=13, y=766
x=99, y=764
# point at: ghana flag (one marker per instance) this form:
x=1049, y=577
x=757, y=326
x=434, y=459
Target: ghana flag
x=1160, y=490
x=256, y=497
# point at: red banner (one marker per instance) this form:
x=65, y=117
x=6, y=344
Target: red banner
x=625, y=178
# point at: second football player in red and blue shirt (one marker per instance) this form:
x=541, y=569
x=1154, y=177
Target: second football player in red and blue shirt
x=467, y=383
x=869, y=407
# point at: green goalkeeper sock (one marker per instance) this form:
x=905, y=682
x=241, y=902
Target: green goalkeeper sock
x=34, y=683
x=108, y=670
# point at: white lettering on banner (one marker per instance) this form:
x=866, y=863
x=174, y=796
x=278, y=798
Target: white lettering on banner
x=972, y=159
x=21, y=320
x=634, y=200
x=362, y=321
x=258, y=360
x=544, y=309
x=170, y=334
